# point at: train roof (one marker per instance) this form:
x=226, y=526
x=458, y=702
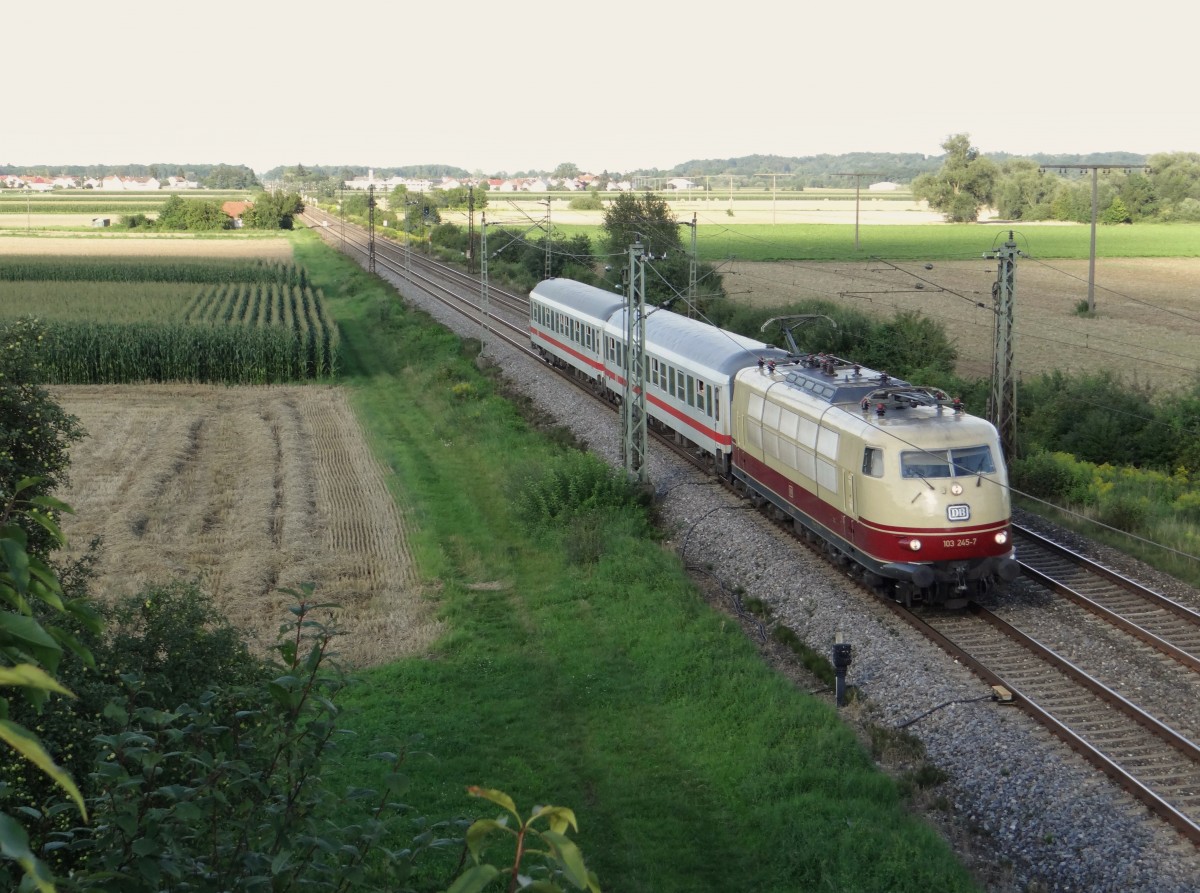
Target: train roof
x=581, y=297
x=693, y=343
x=832, y=382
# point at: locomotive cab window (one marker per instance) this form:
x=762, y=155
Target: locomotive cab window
x=947, y=463
x=873, y=462
x=973, y=460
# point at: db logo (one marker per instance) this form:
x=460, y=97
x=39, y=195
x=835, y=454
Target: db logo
x=958, y=512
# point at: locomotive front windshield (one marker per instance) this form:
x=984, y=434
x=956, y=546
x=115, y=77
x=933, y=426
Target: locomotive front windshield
x=947, y=463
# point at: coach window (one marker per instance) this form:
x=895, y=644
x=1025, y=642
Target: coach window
x=691, y=391
x=671, y=380
x=873, y=462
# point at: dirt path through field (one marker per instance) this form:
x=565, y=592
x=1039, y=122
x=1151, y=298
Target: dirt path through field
x=247, y=490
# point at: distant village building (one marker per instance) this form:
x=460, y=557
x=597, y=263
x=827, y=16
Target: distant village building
x=235, y=210
x=884, y=186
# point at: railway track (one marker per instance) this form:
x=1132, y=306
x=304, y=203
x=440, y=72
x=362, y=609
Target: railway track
x=1154, y=619
x=1144, y=755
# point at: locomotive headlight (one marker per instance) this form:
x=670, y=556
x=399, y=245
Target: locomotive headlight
x=914, y=544
x=1002, y=537
x=956, y=488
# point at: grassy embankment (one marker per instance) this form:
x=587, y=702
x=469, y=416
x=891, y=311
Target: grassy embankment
x=604, y=683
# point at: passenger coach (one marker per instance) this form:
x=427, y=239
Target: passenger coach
x=566, y=319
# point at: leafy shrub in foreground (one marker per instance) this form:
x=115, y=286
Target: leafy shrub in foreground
x=224, y=791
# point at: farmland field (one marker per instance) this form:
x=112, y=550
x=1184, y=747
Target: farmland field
x=269, y=246
x=245, y=490
x=1146, y=327
x=129, y=319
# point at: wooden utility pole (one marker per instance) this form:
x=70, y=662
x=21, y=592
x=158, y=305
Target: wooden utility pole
x=1095, y=169
x=857, y=193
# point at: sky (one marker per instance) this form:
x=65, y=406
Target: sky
x=619, y=86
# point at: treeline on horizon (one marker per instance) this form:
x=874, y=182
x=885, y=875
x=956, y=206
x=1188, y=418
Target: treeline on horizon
x=810, y=171
x=780, y=171
x=210, y=176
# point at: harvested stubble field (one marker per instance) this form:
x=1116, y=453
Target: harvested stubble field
x=245, y=490
x=1146, y=327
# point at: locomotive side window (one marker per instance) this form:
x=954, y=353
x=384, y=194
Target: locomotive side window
x=873, y=462
x=754, y=407
x=789, y=423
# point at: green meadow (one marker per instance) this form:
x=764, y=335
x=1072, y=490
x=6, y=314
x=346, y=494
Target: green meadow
x=716, y=242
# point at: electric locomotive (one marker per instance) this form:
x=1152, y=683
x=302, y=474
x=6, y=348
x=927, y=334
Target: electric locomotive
x=897, y=481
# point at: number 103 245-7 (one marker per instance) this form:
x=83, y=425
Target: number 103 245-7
x=959, y=543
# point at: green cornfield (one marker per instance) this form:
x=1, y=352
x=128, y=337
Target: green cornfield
x=222, y=322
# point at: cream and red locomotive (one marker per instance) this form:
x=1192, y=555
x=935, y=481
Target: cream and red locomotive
x=897, y=481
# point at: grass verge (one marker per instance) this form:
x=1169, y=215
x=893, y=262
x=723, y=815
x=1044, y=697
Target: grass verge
x=581, y=667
